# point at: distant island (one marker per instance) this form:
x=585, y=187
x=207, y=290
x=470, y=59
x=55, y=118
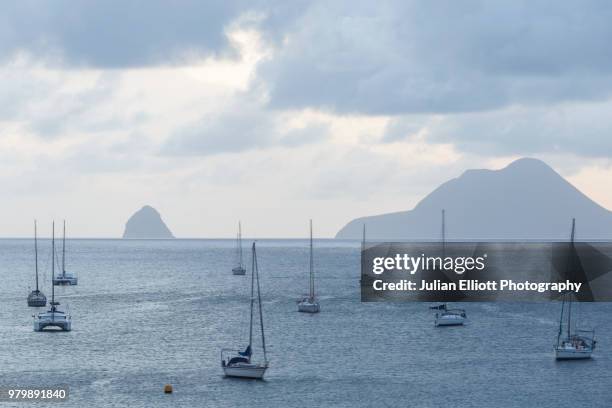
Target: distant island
x=525, y=200
x=146, y=223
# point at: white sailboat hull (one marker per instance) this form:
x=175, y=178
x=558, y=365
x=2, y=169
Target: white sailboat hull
x=562, y=353
x=449, y=320
x=309, y=307
x=52, y=320
x=65, y=280
x=254, y=371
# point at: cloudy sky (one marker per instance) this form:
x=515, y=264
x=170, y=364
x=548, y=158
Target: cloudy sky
x=275, y=112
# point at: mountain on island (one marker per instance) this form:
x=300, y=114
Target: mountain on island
x=525, y=200
x=146, y=223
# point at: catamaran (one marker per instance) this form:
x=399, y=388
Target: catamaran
x=237, y=363
x=445, y=316
x=36, y=298
x=239, y=269
x=65, y=278
x=310, y=304
x=576, y=344
x=53, y=318
x=448, y=317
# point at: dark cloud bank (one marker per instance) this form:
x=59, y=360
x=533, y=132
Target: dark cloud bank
x=390, y=57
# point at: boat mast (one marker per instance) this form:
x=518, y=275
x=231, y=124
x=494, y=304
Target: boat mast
x=36, y=255
x=312, y=289
x=363, y=245
x=444, y=240
x=53, y=267
x=443, y=234
x=561, y=320
x=252, y=294
x=64, y=252
x=569, y=307
x=363, y=236
x=263, y=336
x=239, y=244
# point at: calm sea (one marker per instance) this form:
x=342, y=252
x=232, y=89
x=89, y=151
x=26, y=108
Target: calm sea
x=147, y=313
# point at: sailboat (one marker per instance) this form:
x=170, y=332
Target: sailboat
x=448, y=317
x=310, y=304
x=445, y=316
x=239, y=269
x=65, y=278
x=240, y=363
x=576, y=344
x=53, y=318
x=36, y=298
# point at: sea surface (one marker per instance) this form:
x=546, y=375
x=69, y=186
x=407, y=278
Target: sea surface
x=151, y=312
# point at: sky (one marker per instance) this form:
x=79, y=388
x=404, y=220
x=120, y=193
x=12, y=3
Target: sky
x=275, y=112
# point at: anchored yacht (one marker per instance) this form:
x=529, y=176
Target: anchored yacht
x=241, y=364
x=53, y=318
x=65, y=278
x=445, y=316
x=36, y=298
x=310, y=303
x=448, y=317
x=573, y=344
x=239, y=269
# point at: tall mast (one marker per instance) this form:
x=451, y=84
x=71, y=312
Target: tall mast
x=363, y=245
x=253, y=263
x=239, y=244
x=64, y=251
x=53, y=266
x=443, y=233
x=312, y=289
x=263, y=336
x=561, y=319
x=569, y=307
x=36, y=255
x=363, y=241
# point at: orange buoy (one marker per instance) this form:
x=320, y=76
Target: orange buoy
x=168, y=389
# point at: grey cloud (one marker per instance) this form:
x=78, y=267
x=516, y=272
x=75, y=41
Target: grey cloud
x=56, y=112
x=495, y=72
x=580, y=129
x=48, y=108
x=229, y=132
x=389, y=57
x=238, y=131
x=442, y=57
x=403, y=128
x=76, y=110
x=116, y=33
x=309, y=134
